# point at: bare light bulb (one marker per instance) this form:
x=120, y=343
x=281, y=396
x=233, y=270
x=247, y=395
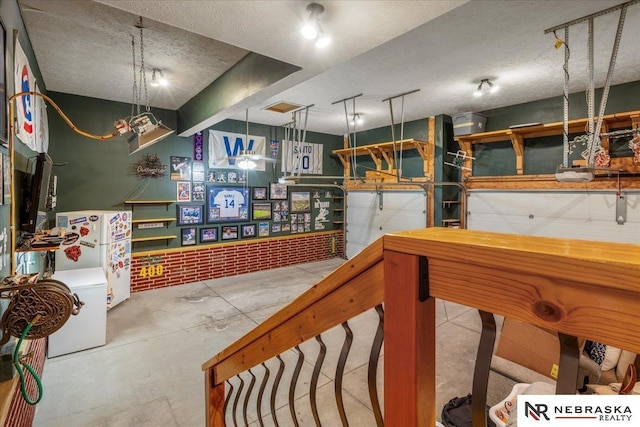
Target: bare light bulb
x=309, y=31
x=323, y=41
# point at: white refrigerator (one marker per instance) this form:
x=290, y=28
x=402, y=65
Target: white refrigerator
x=98, y=239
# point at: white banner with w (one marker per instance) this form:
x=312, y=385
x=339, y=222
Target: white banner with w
x=224, y=147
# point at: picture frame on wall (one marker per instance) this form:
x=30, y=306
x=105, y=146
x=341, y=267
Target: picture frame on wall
x=300, y=201
x=188, y=236
x=180, y=168
x=229, y=232
x=248, y=230
x=260, y=211
x=3, y=87
x=208, y=234
x=259, y=193
x=183, y=191
x=278, y=191
x=226, y=204
x=190, y=214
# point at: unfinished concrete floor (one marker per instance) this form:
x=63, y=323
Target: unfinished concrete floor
x=149, y=372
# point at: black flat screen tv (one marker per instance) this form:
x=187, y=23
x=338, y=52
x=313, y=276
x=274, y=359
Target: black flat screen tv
x=34, y=206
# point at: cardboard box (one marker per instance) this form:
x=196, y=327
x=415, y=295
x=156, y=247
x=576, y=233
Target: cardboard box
x=530, y=346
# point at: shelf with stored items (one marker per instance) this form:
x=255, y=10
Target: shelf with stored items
x=518, y=136
x=148, y=202
x=382, y=155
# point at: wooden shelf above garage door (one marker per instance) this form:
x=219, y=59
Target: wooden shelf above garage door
x=518, y=135
x=383, y=151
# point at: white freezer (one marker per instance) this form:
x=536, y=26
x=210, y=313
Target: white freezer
x=88, y=329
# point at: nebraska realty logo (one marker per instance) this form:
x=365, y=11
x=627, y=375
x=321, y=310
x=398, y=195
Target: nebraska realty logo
x=588, y=410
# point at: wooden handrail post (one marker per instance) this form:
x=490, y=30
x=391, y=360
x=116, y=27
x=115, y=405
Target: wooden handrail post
x=214, y=396
x=409, y=342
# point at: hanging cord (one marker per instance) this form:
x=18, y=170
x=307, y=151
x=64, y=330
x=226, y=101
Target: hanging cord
x=18, y=364
x=607, y=83
x=401, y=139
x=143, y=73
x=352, y=147
x=135, y=102
x=565, y=95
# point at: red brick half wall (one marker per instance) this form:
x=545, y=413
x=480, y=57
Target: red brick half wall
x=157, y=269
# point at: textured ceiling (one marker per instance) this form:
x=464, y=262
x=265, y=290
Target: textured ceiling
x=379, y=49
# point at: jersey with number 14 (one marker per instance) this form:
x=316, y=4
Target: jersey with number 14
x=229, y=203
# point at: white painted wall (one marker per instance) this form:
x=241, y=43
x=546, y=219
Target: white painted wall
x=401, y=210
x=589, y=215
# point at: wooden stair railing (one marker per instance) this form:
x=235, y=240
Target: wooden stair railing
x=578, y=288
x=354, y=287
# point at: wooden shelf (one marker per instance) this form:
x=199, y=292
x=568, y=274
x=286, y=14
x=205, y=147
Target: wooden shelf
x=517, y=136
x=338, y=222
x=383, y=151
x=148, y=202
x=450, y=202
x=141, y=221
x=338, y=210
x=152, y=238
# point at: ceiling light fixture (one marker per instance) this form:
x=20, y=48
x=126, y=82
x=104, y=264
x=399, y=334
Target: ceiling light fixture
x=356, y=120
x=312, y=30
x=493, y=88
x=158, y=80
x=145, y=129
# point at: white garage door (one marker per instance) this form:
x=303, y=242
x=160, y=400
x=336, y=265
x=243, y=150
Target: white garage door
x=570, y=214
x=366, y=222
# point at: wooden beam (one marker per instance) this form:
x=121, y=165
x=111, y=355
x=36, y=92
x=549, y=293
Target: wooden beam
x=409, y=345
x=376, y=159
x=517, y=141
x=547, y=182
x=214, y=396
x=587, y=289
x=429, y=172
x=465, y=145
x=387, y=159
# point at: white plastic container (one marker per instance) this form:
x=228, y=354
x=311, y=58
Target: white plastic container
x=499, y=413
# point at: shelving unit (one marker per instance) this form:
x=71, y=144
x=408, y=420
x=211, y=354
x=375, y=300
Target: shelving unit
x=338, y=213
x=152, y=238
x=518, y=137
x=382, y=154
x=166, y=220
x=148, y=202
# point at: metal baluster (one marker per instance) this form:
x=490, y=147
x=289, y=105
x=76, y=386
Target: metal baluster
x=314, y=380
x=227, y=398
x=247, y=396
x=236, y=400
x=263, y=386
x=292, y=386
x=374, y=357
x=274, y=390
x=342, y=361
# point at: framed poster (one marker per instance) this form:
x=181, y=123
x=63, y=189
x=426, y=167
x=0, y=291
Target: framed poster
x=188, y=236
x=3, y=88
x=259, y=193
x=249, y=230
x=278, y=191
x=180, y=168
x=263, y=229
x=190, y=214
x=227, y=204
x=183, y=191
x=229, y=232
x=300, y=201
x=261, y=210
x=208, y=234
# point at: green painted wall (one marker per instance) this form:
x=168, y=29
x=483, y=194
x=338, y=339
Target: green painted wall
x=100, y=174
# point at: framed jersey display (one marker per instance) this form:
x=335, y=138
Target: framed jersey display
x=225, y=204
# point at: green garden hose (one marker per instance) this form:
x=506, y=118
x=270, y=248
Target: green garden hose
x=18, y=365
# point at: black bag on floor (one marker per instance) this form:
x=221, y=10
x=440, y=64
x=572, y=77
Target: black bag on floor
x=457, y=413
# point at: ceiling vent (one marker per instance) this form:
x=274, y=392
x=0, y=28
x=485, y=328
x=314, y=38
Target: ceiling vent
x=283, y=107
